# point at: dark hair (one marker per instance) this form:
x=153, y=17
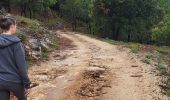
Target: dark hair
x=6, y=22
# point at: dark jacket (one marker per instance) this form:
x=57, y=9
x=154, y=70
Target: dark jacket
x=12, y=61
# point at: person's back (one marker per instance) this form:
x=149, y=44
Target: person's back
x=13, y=74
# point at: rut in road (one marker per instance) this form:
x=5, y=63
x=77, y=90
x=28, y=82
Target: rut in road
x=96, y=70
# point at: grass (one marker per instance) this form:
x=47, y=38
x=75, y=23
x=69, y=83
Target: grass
x=160, y=66
x=26, y=21
x=168, y=92
x=148, y=58
x=167, y=89
x=30, y=25
x=53, y=22
x=135, y=47
x=163, y=50
x=114, y=42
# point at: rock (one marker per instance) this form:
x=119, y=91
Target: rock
x=136, y=75
x=96, y=69
x=134, y=66
x=2, y=11
x=35, y=44
x=59, y=26
x=35, y=48
x=44, y=44
x=37, y=54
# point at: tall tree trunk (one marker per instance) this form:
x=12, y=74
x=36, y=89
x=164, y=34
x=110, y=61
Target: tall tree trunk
x=30, y=12
x=129, y=37
x=9, y=6
x=115, y=31
x=23, y=9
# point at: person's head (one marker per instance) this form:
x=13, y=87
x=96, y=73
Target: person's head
x=8, y=24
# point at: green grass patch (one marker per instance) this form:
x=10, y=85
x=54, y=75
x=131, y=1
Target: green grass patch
x=146, y=60
x=149, y=57
x=30, y=26
x=163, y=50
x=160, y=66
x=45, y=52
x=135, y=47
x=168, y=92
x=53, y=22
x=114, y=42
x=22, y=21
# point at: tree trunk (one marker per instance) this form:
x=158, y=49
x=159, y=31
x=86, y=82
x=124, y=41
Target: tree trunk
x=129, y=37
x=30, y=12
x=23, y=10
x=115, y=31
x=9, y=6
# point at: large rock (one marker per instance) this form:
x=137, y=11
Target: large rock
x=35, y=48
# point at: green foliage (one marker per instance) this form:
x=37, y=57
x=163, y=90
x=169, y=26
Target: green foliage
x=144, y=21
x=131, y=20
x=49, y=2
x=29, y=8
x=76, y=11
x=161, y=33
x=135, y=18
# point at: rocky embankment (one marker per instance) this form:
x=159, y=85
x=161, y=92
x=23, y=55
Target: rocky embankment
x=37, y=39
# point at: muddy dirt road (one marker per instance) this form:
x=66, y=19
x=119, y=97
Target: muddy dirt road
x=94, y=70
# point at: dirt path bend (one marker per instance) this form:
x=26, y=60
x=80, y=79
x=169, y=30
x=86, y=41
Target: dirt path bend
x=95, y=70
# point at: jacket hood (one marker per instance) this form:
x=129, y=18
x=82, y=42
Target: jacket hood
x=6, y=40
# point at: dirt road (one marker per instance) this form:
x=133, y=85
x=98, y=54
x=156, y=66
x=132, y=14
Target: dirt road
x=94, y=70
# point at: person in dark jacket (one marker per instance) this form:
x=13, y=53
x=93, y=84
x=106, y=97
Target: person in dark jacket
x=13, y=71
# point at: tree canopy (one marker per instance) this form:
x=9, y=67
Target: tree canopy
x=144, y=21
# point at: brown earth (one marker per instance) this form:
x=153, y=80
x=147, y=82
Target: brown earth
x=88, y=69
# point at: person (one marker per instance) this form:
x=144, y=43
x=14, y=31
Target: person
x=13, y=71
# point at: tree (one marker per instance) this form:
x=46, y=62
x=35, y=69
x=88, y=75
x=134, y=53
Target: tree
x=75, y=11
x=133, y=17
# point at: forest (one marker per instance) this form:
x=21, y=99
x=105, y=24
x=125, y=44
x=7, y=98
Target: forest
x=139, y=21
